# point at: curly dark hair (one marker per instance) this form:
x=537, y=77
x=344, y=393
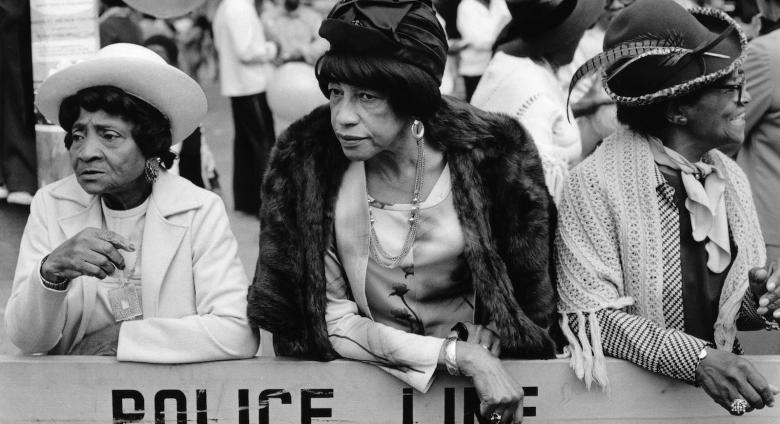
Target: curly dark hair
x=151, y=129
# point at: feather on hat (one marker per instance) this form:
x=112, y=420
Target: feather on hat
x=656, y=50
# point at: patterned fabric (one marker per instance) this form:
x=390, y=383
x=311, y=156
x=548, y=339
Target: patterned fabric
x=669, y=352
x=610, y=251
x=670, y=236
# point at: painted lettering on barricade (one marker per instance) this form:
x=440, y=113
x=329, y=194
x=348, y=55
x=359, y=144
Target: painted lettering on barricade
x=136, y=412
x=133, y=410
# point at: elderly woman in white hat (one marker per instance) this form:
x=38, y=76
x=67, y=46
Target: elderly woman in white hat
x=659, y=253
x=122, y=258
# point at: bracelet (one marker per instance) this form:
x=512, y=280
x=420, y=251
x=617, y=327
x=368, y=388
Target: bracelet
x=451, y=355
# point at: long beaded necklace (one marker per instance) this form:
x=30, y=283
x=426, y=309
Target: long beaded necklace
x=378, y=254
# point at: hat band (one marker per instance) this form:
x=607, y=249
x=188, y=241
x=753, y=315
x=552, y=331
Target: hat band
x=551, y=20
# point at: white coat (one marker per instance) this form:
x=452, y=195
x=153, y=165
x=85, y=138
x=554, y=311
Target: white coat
x=193, y=285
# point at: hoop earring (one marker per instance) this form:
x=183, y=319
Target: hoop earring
x=152, y=169
x=418, y=129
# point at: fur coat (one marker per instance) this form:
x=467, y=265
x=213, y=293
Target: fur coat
x=499, y=195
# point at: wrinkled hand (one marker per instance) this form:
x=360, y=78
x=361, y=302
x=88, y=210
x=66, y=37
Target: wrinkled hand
x=483, y=336
x=766, y=282
x=92, y=252
x=100, y=343
x=497, y=390
x=726, y=377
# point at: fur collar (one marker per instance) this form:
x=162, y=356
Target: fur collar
x=499, y=195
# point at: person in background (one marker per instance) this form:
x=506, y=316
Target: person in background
x=18, y=163
x=195, y=161
x=244, y=61
x=659, y=254
x=478, y=22
x=748, y=16
x=117, y=24
x=521, y=79
x=593, y=109
x=759, y=155
x=393, y=214
x=294, y=26
x=122, y=258
x=151, y=26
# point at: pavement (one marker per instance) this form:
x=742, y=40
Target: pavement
x=219, y=135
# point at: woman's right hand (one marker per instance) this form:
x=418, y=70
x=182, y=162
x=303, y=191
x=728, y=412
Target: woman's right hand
x=93, y=252
x=497, y=390
x=727, y=377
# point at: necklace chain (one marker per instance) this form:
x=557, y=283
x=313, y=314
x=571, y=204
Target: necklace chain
x=378, y=254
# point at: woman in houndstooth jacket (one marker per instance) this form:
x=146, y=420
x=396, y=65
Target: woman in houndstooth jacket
x=659, y=252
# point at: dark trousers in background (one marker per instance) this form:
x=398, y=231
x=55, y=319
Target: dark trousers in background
x=18, y=168
x=254, y=137
x=470, y=84
x=189, y=159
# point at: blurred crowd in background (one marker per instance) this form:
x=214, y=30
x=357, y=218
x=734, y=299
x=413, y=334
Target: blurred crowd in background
x=289, y=36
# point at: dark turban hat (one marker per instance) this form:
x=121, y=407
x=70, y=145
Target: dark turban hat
x=406, y=30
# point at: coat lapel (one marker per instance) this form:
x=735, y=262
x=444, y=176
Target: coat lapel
x=352, y=231
x=162, y=237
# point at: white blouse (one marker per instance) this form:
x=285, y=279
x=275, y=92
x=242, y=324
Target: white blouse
x=130, y=224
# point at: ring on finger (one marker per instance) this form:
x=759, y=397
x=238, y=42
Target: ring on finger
x=739, y=406
x=495, y=418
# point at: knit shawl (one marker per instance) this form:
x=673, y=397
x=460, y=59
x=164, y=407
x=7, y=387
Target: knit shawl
x=498, y=193
x=609, y=245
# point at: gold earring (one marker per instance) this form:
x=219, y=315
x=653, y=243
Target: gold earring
x=418, y=129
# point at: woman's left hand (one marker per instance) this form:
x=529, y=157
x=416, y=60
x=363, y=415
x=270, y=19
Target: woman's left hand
x=768, y=282
x=483, y=336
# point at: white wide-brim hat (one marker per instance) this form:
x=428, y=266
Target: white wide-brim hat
x=165, y=8
x=139, y=72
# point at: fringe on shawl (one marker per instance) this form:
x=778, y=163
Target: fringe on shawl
x=587, y=354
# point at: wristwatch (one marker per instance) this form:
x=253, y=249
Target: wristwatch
x=700, y=357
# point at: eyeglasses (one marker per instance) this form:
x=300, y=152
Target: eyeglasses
x=739, y=87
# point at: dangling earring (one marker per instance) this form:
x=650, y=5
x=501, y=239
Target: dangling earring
x=152, y=169
x=418, y=129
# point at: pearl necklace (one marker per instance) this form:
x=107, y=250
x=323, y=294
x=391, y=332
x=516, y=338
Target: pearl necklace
x=378, y=254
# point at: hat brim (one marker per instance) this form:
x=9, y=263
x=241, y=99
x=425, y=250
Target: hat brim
x=585, y=14
x=734, y=46
x=166, y=88
x=165, y=8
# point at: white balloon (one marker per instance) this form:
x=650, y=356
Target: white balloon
x=292, y=93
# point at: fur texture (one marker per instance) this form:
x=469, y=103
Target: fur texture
x=500, y=197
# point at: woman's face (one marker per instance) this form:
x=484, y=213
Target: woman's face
x=363, y=121
x=718, y=117
x=104, y=156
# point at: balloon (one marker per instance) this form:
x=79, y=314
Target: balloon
x=292, y=92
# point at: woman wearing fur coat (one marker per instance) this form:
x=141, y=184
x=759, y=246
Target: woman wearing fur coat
x=392, y=215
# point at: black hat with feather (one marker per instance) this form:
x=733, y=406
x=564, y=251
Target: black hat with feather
x=655, y=50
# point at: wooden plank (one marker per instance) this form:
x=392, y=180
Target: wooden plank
x=275, y=390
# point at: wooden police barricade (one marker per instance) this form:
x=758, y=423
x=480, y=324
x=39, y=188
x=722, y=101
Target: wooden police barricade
x=273, y=390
